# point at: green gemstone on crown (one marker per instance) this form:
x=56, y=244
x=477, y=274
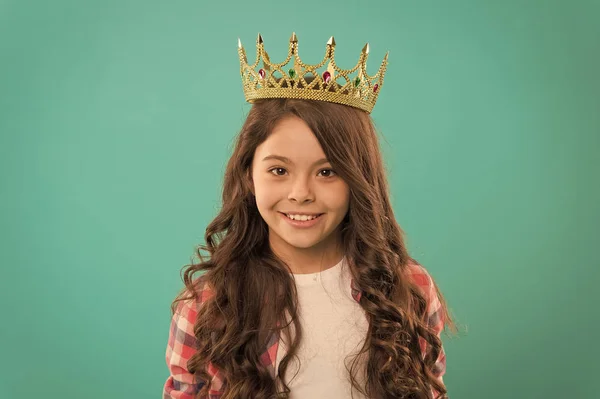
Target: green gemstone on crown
x=292, y=73
x=356, y=81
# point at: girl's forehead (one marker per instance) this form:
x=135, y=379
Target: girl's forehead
x=292, y=140
x=292, y=153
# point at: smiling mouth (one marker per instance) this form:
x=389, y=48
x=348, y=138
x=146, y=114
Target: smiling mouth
x=313, y=217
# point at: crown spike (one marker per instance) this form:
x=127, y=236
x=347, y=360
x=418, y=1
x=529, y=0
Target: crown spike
x=294, y=43
x=331, y=41
x=242, y=52
x=266, y=61
x=330, y=68
x=259, y=40
x=366, y=49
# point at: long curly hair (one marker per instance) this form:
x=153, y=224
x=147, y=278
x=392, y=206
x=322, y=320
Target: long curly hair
x=254, y=290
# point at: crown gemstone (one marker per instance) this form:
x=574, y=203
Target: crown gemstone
x=356, y=81
x=326, y=76
x=262, y=73
x=292, y=73
x=375, y=87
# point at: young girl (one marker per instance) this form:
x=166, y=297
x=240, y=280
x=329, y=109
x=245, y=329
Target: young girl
x=309, y=291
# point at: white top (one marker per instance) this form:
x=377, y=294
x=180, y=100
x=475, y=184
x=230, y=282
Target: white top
x=334, y=327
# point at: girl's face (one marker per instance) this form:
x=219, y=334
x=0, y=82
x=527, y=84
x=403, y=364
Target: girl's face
x=304, y=182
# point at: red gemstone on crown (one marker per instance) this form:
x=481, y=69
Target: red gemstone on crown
x=375, y=87
x=262, y=73
x=326, y=76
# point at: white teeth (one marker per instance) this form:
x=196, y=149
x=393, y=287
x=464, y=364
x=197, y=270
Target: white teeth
x=303, y=218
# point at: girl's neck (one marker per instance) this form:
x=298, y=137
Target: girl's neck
x=307, y=263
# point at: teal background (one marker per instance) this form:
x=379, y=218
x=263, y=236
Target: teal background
x=117, y=119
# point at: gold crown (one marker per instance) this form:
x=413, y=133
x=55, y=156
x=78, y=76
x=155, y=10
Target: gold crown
x=359, y=92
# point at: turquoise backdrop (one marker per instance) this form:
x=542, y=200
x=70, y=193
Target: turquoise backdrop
x=117, y=118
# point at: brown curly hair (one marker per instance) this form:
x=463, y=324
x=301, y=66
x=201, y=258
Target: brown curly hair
x=254, y=289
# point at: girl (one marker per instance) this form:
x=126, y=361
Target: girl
x=309, y=291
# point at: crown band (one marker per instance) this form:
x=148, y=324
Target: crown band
x=303, y=81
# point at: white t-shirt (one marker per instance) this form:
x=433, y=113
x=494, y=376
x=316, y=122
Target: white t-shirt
x=334, y=327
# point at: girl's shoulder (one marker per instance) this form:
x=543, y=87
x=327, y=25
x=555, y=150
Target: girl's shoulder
x=423, y=279
x=419, y=275
x=193, y=301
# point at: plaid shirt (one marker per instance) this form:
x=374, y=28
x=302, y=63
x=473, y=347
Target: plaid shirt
x=182, y=342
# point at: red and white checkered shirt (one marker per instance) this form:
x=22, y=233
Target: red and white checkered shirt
x=182, y=343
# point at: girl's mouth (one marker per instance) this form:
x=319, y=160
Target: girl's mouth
x=302, y=223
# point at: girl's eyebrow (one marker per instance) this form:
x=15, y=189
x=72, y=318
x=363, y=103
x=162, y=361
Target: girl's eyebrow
x=287, y=160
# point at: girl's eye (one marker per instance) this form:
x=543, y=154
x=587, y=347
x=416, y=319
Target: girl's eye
x=276, y=169
x=329, y=170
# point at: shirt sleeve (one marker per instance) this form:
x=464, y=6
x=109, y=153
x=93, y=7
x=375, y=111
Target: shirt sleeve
x=435, y=320
x=180, y=347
